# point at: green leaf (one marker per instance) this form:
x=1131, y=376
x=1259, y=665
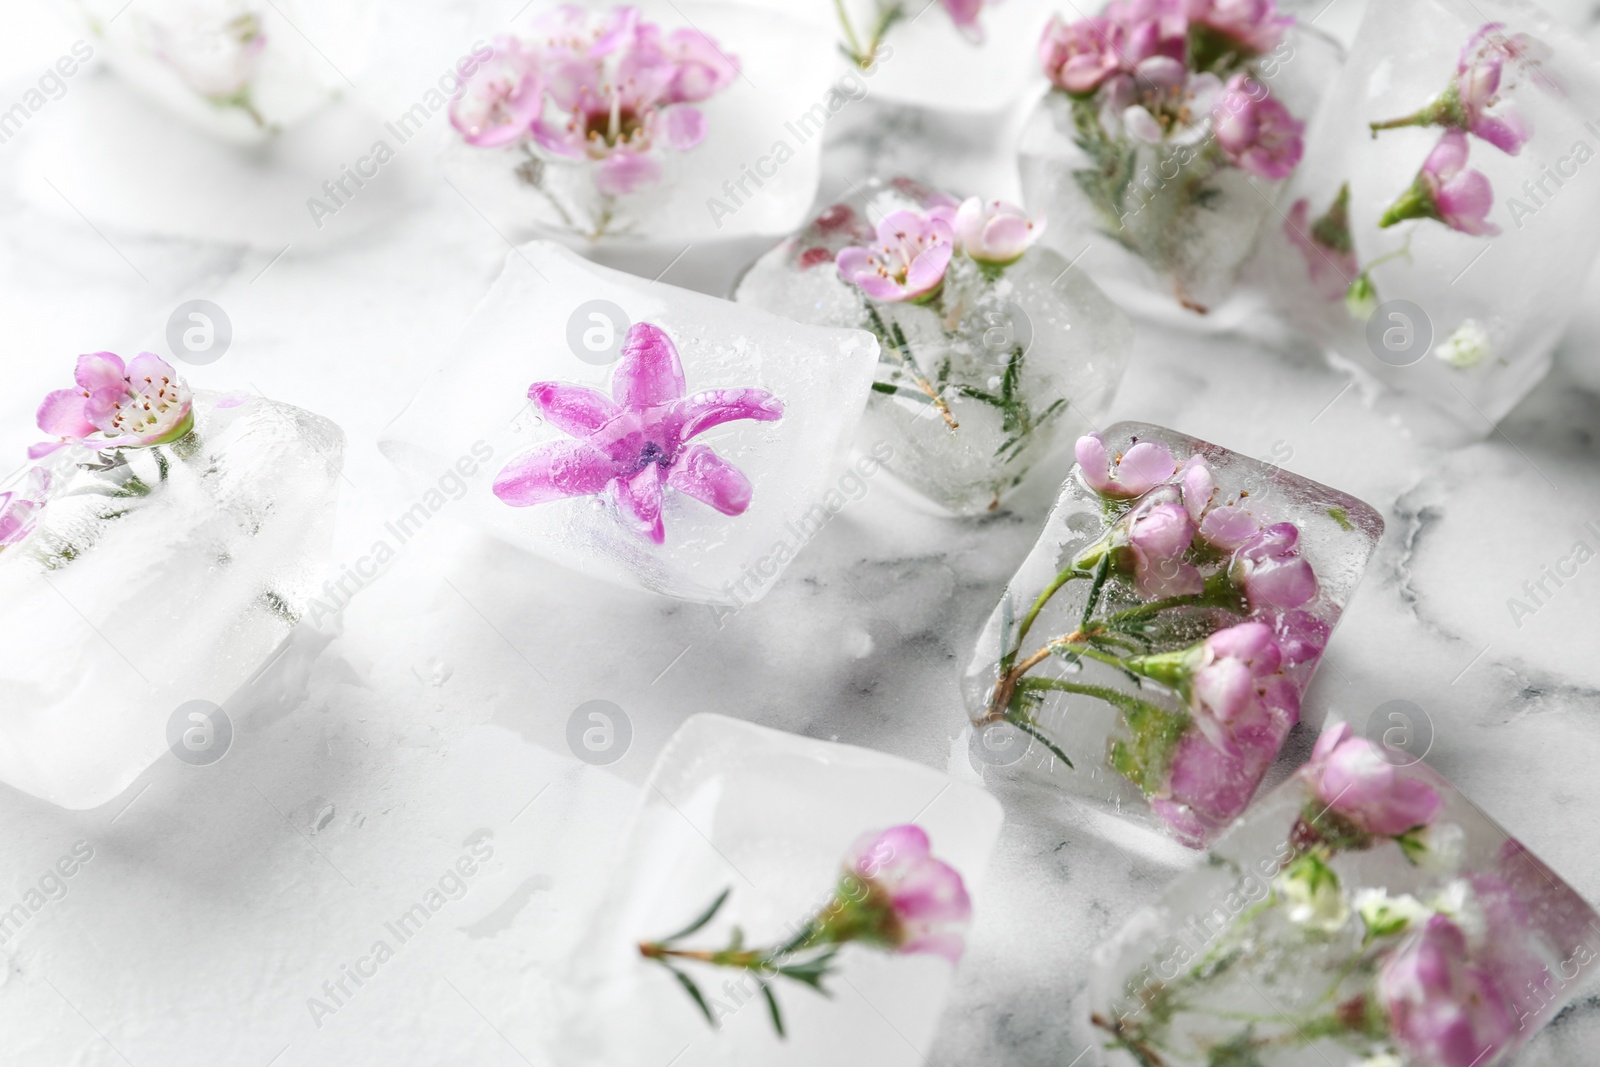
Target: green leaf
x=693, y=991
x=1240, y=1051
x=772, y=1007
x=1342, y=517
x=705, y=917
x=1143, y=758
x=1038, y=735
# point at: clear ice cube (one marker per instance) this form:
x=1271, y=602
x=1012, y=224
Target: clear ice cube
x=555, y=319
x=730, y=804
x=239, y=71
x=146, y=584
x=1323, y=930
x=1166, y=226
x=754, y=173
x=1466, y=312
x=1161, y=641
x=1021, y=361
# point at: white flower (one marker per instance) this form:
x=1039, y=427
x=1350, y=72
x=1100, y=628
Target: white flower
x=1311, y=890
x=1467, y=347
x=1385, y=915
x=1436, y=848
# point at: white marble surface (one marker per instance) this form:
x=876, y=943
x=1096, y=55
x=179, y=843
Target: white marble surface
x=218, y=900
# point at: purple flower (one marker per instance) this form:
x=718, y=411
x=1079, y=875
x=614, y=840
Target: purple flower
x=1347, y=774
x=913, y=902
x=1159, y=532
x=117, y=405
x=964, y=13
x=1256, y=131
x=19, y=509
x=1144, y=466
x=1326, y=245
x=1079, y=56
x=996, y=233
x=1249, y=26
x=1447, y=190
x=634, y=442
x=1209, y=785
x=1266, y=561
x=907, y=261
x=1443, y=1008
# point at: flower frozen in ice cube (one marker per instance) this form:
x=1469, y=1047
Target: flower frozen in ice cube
x=117, y=405
x=214, y=48
x=1249, y=27
x=907, y=260
x=634, y=443
x=1256, y=131
x=1447, y=190
x=1352, y=778
x=1078, y=57
x=1326, y=244
x=893, y=895
x=499, y=102
x=19, y=508
x=1443, y=1006
x=1143, y=467
x=994, y=232
x=863, y=47
x=1467, y=347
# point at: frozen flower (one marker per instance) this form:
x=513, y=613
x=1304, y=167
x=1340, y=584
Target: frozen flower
x=499, y=102
x=607, y=87
x=1301, y=636
x=1079, y=56
x=994, y=233
x=1326, y=245
x=1158, y=534
x=1443, y=1008
x=1266, y=563
x=1144, y=466
x=964, y=13
x=1161, y=101
x=1149, y=28
x=1209, y=786
x=19, y=508
x=1383, y=915
x=1361, y=299
x=1447, y=190
x=1474, y=102
x=634, y=443
x=1312, y=895
x=1353, y=780
x=1436, y=847
x=117, y=405
x=1467, y=347
x=912, y=901
x=215, y=56
x=1244, y=27
x=1256, y=131
x=907, y=260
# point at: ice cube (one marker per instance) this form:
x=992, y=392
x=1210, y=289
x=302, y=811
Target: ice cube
x=608, y=356
x=1458, y=299
x=768, y=815
x=754, y=172
x=1364, y=911
x=152, y=578
x=975, y=386
x=1166, y=205
x=1160, y=634
x=928, y=59
x=240, y=71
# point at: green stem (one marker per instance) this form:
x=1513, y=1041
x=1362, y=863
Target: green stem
x=1038, y=605
x=854, y=42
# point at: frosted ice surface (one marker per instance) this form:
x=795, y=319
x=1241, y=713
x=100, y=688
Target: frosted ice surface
x=769, y=814
x=531, y=327
x=122, y=604
x=1466, y=322
x=1128, y=729
x=1011, y=410
x=1237, y=963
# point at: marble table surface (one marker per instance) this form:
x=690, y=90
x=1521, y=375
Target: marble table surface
x=218, y=900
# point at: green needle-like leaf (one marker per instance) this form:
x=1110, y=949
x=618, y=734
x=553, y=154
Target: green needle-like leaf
x=772, y=1007
x=705, y=917
x=693, y=991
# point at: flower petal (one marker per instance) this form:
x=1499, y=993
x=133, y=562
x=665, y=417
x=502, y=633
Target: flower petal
x=573, y=409
x=553, y=472
x=62, y=415
x=100, y=370
x=639, y=500
x=650, y=373
x=625, y=172
x=714, y=407
x=707, y=477
x=686, y=127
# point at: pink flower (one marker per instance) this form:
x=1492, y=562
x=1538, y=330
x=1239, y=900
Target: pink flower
x=1349, y=775
x=606, y=86
x=1209, y=785
x=908, y=260
x=996, y=232
x=1161, y=101
x=117, y=405
x=1480, y=74
x=1149, y=28
x=217, y=57
x=1159, y=532
x=914, y=902
x=1144, y=466
x=634, y=442
x=1256, y=131
x=1250, y=26
x=19, y=509
x=1446, y=190
x=1329, y=253
x=1443, y=1008
x=1273, y=573
x=498, y=103
x=964, y=13
x=1079, y=56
